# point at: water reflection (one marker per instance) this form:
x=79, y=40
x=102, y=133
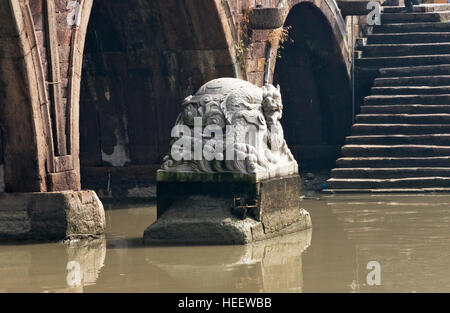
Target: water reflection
x=269, y=266
x=407, y=235
x=51, y=267
x=84, y=263
x=273, y=265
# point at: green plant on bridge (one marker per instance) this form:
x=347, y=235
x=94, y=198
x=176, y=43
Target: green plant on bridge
x=279, y=37
x=241, y=49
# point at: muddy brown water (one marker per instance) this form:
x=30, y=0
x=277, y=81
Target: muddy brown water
x=407, y=235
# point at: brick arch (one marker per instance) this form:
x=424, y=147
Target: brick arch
x=332, y=14
x=17, y=84
x=314, y=74
x=39, y=90
x=142, y=58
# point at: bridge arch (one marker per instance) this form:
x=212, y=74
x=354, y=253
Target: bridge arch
x=313, y=69
x=40, y=70
x=139, y=63
x=142, y=57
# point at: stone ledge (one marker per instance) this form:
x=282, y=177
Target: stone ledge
x=167, y=176
x=204, y=220
x=353, y=7
x=387, y=191
x=50, y=216
x=267, y=18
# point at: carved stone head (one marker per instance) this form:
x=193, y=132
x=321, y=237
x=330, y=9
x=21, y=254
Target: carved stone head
x=272, y=105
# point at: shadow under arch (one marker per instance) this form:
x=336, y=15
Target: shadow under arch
x=142, y=57
x=313, y=72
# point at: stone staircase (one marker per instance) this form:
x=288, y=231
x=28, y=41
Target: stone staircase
x=401, y=139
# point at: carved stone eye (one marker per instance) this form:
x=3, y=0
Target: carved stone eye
x=190, y=112
x=206, y=99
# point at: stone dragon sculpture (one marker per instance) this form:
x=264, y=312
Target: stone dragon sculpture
x=232, y=107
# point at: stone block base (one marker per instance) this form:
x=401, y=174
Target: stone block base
x=206, y=215
x=50, y=216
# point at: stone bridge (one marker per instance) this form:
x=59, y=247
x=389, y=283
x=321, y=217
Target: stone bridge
x=89, y=89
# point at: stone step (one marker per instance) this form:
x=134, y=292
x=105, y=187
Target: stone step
x=407, y=99
x=416, y=182
x=414, y=71
x=407, y=191
x=411, y=28
x=387, y=173
x=401, y=138
x=410, y=90
x=387, y=162
x=440, y=80
x=395, y=150
x=395, y=206
x=403, y=61
x=416, y=17
x=404, y=109
x=418, y=8
x=431, y=139
x=384, y=50
x=442, y=118
x=399, y=129
x=369, y=74
x=404, y=38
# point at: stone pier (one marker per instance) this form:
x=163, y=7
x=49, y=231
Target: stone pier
x=41, y=52
x=199, y=210
x=51, y=216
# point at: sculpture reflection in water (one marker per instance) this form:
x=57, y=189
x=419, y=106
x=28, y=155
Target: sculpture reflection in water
x=85, y=262
x=273, y=265
x=25, y=268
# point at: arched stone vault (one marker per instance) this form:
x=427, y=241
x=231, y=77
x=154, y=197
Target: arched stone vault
x=261, y=37
x=331, y=12
x=312, y=68
x=140, y=62
x=39, y=88
x=142, y=58
x=40, y=70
